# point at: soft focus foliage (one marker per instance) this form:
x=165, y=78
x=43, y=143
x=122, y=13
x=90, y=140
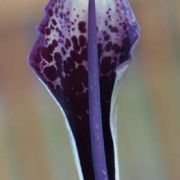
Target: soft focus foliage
x=33, y=140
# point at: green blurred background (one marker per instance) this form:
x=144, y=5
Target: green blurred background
x=34, y=143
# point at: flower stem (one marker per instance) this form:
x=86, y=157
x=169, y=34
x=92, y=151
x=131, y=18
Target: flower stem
x=95, y=116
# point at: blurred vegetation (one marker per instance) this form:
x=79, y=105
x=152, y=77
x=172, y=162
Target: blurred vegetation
x=33, y=140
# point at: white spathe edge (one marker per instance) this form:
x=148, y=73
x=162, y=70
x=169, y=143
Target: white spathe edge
x=113, y=114
x=70, y=134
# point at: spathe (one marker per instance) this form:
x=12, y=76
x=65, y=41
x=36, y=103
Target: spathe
x=59, y=57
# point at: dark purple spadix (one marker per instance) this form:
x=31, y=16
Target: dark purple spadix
x=95, y=114
x=81, y=52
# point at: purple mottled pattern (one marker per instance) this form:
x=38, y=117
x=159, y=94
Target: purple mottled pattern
x=59, y=57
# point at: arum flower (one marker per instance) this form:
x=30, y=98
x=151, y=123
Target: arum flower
x=81, y=52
